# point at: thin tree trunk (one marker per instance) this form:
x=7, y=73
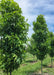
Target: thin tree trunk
x=41, y=68
x=10, y=73
x=51, y=62
x=7, y=72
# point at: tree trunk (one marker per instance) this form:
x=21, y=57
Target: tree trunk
x=41, y=68
x=51, y=62
x=7, y=72
x=10, y=73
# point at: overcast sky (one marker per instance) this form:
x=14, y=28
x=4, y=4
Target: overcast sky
x=32, y=8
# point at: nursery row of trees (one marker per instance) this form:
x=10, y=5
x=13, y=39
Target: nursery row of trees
x=13, y=37
x=42, y=41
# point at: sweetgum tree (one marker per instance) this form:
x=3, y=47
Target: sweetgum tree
x=40, y=37
x=14, y=35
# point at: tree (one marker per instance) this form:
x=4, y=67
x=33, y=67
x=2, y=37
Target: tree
x=14, y=32
x=40, y=37
x=51, y=47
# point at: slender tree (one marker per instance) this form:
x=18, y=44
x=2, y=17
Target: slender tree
x=14, y=32
x=51, y=47
x=40, y=37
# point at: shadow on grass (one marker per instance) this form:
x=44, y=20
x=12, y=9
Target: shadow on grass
x=31, y=61
x=31, y=73
x=44, y=65
x=47, y=66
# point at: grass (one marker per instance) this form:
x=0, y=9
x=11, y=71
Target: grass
x=49, y=71
x=30, y=66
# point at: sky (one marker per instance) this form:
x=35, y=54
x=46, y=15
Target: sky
x=32, y=8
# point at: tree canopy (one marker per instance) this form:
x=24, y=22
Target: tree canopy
x=40, y=36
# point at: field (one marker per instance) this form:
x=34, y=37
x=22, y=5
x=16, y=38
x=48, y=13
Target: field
x=32, y=66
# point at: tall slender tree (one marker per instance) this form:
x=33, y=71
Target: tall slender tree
x=40, y=37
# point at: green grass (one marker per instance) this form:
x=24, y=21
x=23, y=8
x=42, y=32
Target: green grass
x=29, y=66
x=49, y=71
